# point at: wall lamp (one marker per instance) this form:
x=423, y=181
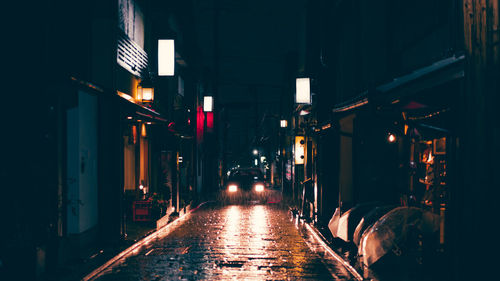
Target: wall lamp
x=145, y=92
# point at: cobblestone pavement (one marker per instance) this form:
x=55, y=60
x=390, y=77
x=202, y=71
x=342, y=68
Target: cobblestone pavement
x=235, y=242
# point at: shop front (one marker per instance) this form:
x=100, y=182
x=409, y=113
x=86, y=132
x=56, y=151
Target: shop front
x=147, y=190
x=397, y=147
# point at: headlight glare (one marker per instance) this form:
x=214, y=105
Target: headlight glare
x=232, y=188
x=259, y=187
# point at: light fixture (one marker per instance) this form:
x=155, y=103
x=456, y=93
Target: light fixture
x=391, y=138
x=255, y=152
x=145, y=91
x=303, y=90
x=304, y=112
x=143, y=130
x=208, y=103
x=130, y=117
x=148, y=94
x=283, y=123
x=125, y=96
x=166, y=57
x=299, y=150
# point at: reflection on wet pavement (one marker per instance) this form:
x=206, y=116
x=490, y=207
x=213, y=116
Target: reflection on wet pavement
x=247, y=242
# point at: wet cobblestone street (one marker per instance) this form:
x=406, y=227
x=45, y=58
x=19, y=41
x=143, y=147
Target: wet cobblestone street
x=235, y=242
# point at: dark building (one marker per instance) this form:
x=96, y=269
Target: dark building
x=93, y=142
x=391, y=99
x=402, y=111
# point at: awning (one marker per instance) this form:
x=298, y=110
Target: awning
x=436, y=74
x=145, y=112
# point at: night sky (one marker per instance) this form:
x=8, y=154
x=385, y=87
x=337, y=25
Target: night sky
x=254, y=42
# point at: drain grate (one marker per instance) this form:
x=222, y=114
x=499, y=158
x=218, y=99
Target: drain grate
x=235, y=264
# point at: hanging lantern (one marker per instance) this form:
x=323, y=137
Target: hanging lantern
x=208, y=103
x=303, y=90
x=166, y=57
x=145, y=93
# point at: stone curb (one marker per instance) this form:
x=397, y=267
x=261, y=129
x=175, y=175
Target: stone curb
x=144, y=241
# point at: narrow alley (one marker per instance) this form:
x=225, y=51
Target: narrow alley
x=232, y=242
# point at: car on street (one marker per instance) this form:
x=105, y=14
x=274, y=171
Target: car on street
x=245, y=185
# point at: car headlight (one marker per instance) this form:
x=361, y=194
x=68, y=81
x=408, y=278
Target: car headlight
x=232, y=188
x=259, y=187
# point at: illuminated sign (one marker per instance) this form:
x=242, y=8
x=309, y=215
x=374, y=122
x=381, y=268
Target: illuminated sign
x=208, y=103
x=303, y=90
x=299, y=150
x=166, y=57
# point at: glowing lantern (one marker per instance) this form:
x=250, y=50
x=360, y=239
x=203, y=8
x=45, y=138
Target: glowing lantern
x=166, y=57
x=303, y=90
x=147, y=94
x=283, y=123
x=299, y=150
x=208, y=103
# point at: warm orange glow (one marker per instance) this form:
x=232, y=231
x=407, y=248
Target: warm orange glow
x=125, y=96
x=134, y=91
x=351, y=106
x=143, y=130
x=406, y=130
x=147, y=94
x=134, y=134
x=430, y=158
x=130, y=117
